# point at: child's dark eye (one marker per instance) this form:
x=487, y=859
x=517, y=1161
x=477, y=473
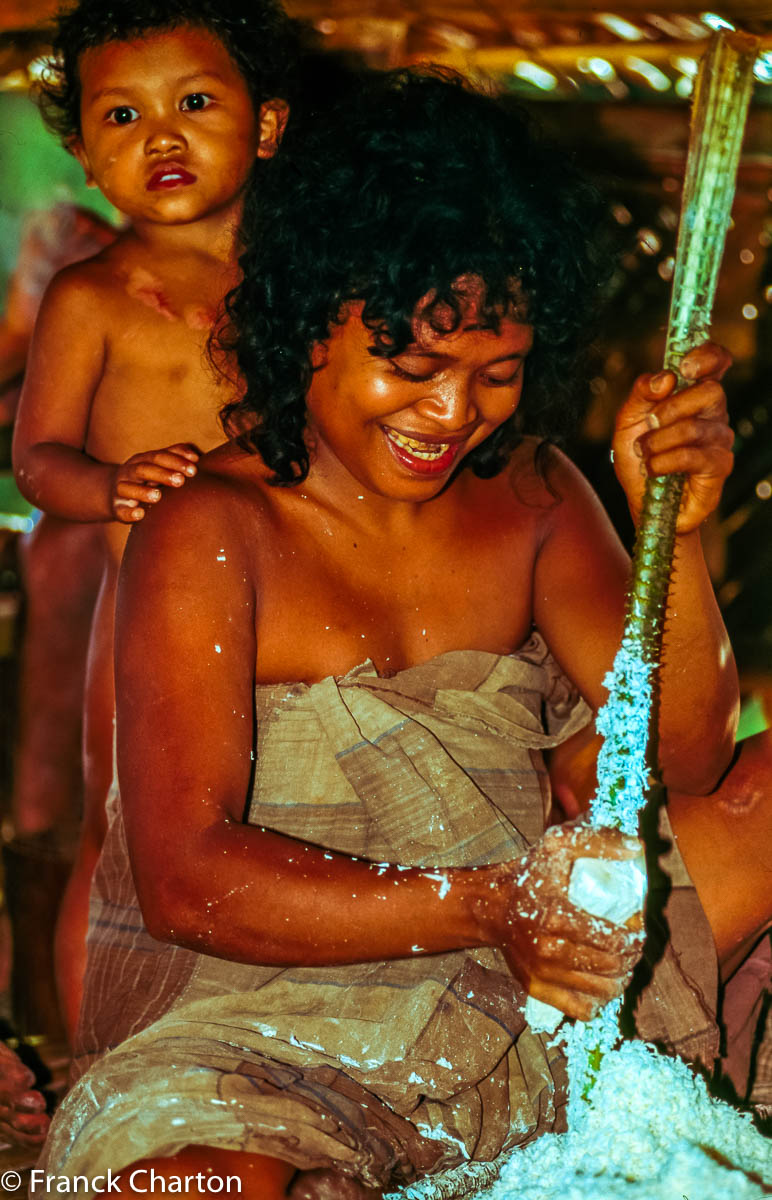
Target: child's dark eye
x=195, y=102
x=122, y=115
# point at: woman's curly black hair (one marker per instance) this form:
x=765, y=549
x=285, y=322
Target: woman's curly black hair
x=413, y=181
x=260, y=38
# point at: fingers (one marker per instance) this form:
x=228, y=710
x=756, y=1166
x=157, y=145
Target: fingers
x=707, y=359
x=15, y=1077
x=583, y=840
x=653, y=403
x=23, y=1117
x=582, y=933
x=693, y=444
x=578, y=978
x=161, y=466
x=139, y=480
x=575, y=1004
x=127, y=511
x=555, y=948
x=185, y=449
x=611, y=956
x=660, y=431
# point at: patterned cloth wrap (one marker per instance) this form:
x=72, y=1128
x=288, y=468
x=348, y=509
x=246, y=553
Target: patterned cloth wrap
x=386, y=1071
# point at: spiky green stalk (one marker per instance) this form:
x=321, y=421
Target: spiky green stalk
x=719, y=109
x=721, y=97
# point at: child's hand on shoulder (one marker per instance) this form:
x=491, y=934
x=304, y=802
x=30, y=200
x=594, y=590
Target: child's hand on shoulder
x=661, y=432
x=138, y=482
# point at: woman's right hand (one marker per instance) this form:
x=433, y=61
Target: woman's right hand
x=561, y=954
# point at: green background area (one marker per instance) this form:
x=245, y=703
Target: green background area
x=36, y=173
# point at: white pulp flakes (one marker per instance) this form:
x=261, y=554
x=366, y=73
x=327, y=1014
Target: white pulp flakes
x=651, y=1132
x=624, y=722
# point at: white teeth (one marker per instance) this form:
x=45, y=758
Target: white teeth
x=424, y=450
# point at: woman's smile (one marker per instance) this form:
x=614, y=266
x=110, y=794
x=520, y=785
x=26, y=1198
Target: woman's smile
x=400, y=426
x=422, y=456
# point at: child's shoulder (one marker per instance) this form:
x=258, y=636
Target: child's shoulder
x=89, y=279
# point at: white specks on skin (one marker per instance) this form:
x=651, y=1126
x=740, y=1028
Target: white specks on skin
x=217, y=648
x=442, y=880
x=417, y=949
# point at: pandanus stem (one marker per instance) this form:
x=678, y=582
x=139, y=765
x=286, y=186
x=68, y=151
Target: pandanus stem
x=721, y=98
x=720, y=105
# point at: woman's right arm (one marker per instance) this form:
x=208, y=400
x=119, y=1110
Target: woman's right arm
x=185, y=658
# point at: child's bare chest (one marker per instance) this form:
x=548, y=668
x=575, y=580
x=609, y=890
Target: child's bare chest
x=157, y=384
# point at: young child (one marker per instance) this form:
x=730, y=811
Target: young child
x=167, y=108
x=327, y=875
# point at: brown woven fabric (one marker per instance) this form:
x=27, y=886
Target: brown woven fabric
x=383, y=1070
x=677, y=1006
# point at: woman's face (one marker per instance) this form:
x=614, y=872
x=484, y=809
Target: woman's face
x=399, y=427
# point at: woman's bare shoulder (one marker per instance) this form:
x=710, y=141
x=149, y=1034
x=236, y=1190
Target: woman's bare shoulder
x=542, y=477
x=213, y=518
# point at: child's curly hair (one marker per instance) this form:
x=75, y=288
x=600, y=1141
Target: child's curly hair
x=260, y=38
x=413, y=182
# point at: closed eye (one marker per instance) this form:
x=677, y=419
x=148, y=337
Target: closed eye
x=414, y=376
x=504, y=381
x=123, y=114
x=195, y=102
x=418, y=376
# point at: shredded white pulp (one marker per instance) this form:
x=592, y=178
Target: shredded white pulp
x=652, y=1132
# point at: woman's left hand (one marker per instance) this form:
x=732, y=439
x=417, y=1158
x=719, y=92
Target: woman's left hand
x=661, y=432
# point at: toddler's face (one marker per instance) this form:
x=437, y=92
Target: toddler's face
x=169, y=133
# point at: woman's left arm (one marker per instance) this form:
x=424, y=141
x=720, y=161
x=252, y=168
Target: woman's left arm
x=582, y=572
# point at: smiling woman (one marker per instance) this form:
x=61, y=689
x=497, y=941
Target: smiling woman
x=328, y=870
x=391, y=421
x=409, y=221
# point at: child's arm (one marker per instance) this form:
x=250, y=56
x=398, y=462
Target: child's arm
x=581, y=570
x=65, y=366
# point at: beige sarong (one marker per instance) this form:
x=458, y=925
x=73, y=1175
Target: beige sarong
x=385, y=1070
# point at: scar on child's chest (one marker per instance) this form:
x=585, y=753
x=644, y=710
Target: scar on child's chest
x=143, y=286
